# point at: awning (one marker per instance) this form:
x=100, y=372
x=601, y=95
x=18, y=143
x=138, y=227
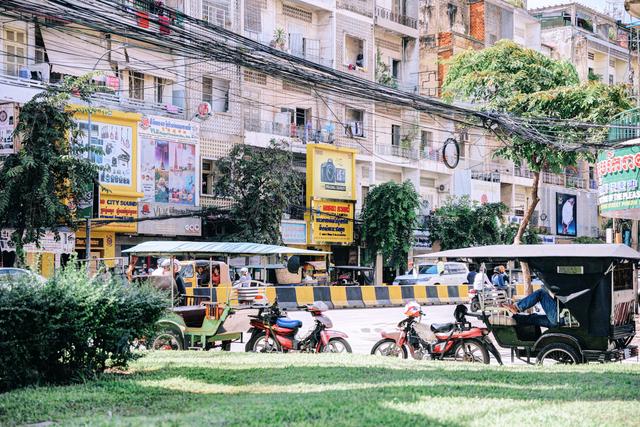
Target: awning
x=159, y=248
x=76, y=52
x=17, y=92
x=508, y=252
x=149, y=62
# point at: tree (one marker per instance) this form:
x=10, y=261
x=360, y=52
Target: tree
x=389, y=218
x=43, y=182
x=461, y=223
x=262, y=184
x=510, y=78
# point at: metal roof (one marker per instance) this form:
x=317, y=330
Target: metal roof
x=539, y=251
x=158, y=248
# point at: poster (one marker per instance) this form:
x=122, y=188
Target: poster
x=566, y=214
x=618, y=178
x=8, y=116
x=332, y=222
x=114, y=145
x=121, y=208
x=330, y=172
x=169, y=161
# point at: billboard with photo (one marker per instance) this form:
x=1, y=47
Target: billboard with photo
x=115, y=145
x=330, y=172
x=566, y=214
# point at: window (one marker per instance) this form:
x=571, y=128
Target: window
x=253, y=16
x=492, y=39
x=452, y=12
x=395, y=135
x=216, y=13
x=16, y=53
x=41, y=53
x=208, y=176
x=216, y=93
x=395, y=68
x=354, y=51
x=136, y=85
x=591, y=56
x=354, y=121
x=426, y=142
x=610, y=79
x=159, y=85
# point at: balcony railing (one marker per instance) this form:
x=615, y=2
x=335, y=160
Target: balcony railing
x=397, y=151
x=625, y=126
x=396, y=17
x=304, y=133
x=361, y=7
x=485, y=176
x=328, y=62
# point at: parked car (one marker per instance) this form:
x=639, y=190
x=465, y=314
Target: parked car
x=10, y=275
x=454, y=273
x=419, y=272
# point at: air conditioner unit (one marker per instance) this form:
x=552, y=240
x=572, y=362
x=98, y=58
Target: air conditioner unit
x=442, y=188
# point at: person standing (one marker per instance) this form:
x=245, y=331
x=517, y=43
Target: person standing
x=471, y=276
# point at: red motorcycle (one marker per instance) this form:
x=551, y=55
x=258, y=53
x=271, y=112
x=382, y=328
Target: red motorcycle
x=272, y=331
x=457, y=341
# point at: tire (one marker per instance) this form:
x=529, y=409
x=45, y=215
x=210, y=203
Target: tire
x=226, y=346
x=336, y=345
x=558, y=353
x=474, y=306
x=389, y=348
x=167, y=340
x=258, y=344
x=472, y=351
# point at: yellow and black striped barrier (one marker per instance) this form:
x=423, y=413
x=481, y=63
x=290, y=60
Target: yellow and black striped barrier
x=290, y=297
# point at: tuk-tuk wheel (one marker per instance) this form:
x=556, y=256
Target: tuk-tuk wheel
x=166, y=340
x=226, y=346
x=558, y=353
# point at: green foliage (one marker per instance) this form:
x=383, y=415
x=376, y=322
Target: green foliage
x=49, y=173
x=463, y=223
x=587, y=240
x=262, y=184
x=390, y=215
x=71, y=327
x=383, y=72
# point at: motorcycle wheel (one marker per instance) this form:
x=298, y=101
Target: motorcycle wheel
x=475, y=306
x=260, y=344
x=389, y=348
x=472, y=351
x=336, y=345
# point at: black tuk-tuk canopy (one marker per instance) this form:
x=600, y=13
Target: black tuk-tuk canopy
x=580, y=275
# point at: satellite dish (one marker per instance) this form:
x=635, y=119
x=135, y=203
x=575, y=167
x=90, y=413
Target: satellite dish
x=293, y=264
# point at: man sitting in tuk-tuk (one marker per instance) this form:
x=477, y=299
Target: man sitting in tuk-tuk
x=547, y=300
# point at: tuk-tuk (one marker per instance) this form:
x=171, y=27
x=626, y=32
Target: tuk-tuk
x=351, y=275
x=207, y=317
x=595, y=288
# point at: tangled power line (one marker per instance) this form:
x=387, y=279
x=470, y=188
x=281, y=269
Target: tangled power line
x=199, y=40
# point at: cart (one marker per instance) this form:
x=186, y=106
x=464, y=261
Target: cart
x=596, y=292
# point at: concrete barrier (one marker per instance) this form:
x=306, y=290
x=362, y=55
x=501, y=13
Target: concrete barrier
x=290, y=297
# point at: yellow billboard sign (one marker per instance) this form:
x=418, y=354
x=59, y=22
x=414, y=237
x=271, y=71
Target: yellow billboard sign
x=332, y=222
x=120, y=208
x=330, y=172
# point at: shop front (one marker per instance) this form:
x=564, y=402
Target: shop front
x=45, y=258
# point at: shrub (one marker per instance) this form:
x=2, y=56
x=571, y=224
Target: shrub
x=71, y=327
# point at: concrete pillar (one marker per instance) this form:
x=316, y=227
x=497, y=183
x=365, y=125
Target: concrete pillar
x=634, y=234
x=379, y=265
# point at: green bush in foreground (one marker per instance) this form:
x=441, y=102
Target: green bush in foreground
x=72, y=327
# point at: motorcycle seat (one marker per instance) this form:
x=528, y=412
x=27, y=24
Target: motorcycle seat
x=288, y=323
x=442, y=327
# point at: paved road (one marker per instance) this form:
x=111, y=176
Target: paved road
x=363, y=326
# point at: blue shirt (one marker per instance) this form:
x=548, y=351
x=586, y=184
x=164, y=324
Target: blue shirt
x=498, y=280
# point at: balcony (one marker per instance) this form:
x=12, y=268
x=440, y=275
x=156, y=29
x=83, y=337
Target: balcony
x=397, y=151
x=357, y=6
x=262, y=131
x=327, y=62
x=397, y=23
x=625, y=126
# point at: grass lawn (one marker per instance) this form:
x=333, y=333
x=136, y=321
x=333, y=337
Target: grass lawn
x=193, y=388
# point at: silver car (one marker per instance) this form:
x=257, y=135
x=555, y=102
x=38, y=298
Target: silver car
x=10, y=276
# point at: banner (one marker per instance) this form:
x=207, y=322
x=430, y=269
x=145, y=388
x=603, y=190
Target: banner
x=8, y=115
x=485, y=191
x=618, y=176
x=566, y=214
x=116, y=157
x=169, y=161
x=48, y=243
x=332, y=222
x=293, y=232
x=330, y=172
x=119, y=208
x=182, y=226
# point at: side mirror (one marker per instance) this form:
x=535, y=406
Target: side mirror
x=442, y=273
x=293, y=264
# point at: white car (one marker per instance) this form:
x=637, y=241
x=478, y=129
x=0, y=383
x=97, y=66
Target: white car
x=9, y=276
x=454, y=273
x=421, y=272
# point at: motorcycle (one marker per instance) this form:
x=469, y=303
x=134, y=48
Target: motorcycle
x=271, y=331
x=457, y=341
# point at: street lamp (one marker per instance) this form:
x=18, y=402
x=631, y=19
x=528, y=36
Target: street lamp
x=87, y=244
